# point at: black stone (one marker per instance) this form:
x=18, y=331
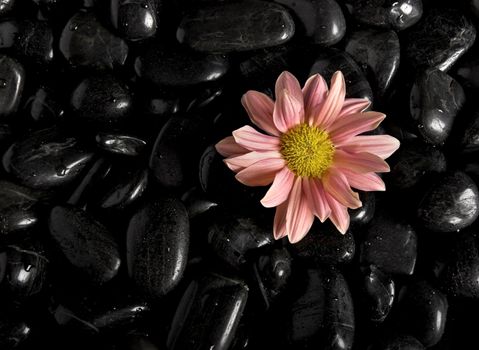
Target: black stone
x=138, y=342
x=399, y=342
x=86, y=43
x=6, y=6
x=197, y=202
x=208, y=315
x=121, y=144
x=12, y=80
x=136, y=20
x=3, y=265
x=364, y=214
x=235, y=26
x=102, y=101
x=379, y=245
x=325, y=244
x=165, y=66
x=157, y=246
x=232, y=237
x=377, y=53
x=13, y=331
x=450, y=204
x=436, y=98
x=378, y=292
x=397, y=15
x=328, y=61
x=439, y=39
x=321, y=20
x=422, y=312
x=469, y=138
x=46, y=159
x=45, y=106
x=85, y=243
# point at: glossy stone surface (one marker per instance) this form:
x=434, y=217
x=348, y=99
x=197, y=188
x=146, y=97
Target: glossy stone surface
x=208, y=314
x=450, y=204
x=120, y=144
x=197, y=202
x=233, y=27
x=364, y=214
x=18, y=208
x=439, y=40
x=423, y=312
x=232, y=237
x=13, y=331
x=378, y=293
x=322, y=313
x=45, y=106
x=87, y=245
x=12, y=80
x=166, y=66
x=321, y=20
x=135, y=20
x=380, y=244
x=328, y=61
x=326, y=245
x=157, y=246
x=378, y=54
x=101, y=101
x=86, y=43
x=435, y=100
x=46, y=159
x=6, y=6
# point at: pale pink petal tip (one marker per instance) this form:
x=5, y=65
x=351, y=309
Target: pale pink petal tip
x=228, y=147
x=260, y=110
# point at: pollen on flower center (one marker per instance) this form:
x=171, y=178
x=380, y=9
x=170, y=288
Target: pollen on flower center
x=307, y=150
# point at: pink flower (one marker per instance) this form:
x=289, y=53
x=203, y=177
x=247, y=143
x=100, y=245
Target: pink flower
x=312, y=153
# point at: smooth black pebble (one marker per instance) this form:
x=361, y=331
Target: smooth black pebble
x=12, y=81
x=134, y=20
x=378, y=291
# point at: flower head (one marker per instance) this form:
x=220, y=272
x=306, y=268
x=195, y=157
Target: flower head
x=311, y=153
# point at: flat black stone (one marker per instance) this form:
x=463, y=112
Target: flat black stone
x=439, y=39
x=12, y=81
x=237, y=26
x=120, y=144
x=136, y=20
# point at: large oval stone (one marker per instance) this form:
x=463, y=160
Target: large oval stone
x=134, y=20
x=157, y=246
x=236, y=26
x=12, y=80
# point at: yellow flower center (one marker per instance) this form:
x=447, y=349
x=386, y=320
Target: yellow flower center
x=307, y=150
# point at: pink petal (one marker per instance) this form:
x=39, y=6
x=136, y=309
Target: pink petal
x=245, y=160
x=315, y=91
x=288, y=111
x=360, y=162
x=354, y=124
x=261, y=173
x=228, y=147
x=299, y=217
x=380, y=145
x=353, y=106
x=279, y=225
x=260, y=110
x=336, y=184
x=339, y=214
x=314, y=192
x=365, y=182
x=280, y=189
x=287, y=81
x=253, y=140
x=331, y=107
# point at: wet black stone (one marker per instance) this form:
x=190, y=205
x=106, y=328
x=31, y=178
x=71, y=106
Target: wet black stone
x=174, y=67
x=364, y=214
x=6, y=6
x=208, y=315
x=450, y=204
x=232, y=237
x=157, y=246
x=399, y=342
x=321, y=20
x=13, y=331
x=377, y=53
x=85, y=243
x=436, y=98
x=46, y=159
x=86, y=43
x=469, y=134
x=197, y=202
x=12, y=80
x=238, y=26
x=422, y=312
x=380, y=242
x=414, y=162
x=120, y=144
x=378, y=291
x=322, y=314
x=439, y=39
x=18, y=208
x=27, y=266
x=101, y=101
x=325, y=244
x=328, y=61
x=135, y=20
x=396, y=15
x=45, y=106
x=466, y=70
